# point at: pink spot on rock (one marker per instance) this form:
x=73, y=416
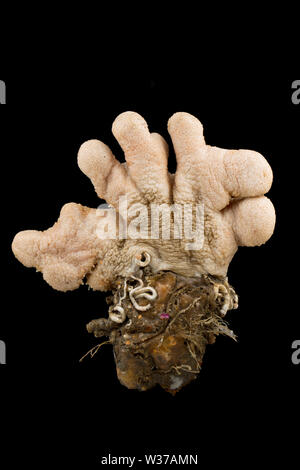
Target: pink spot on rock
x=164, y=315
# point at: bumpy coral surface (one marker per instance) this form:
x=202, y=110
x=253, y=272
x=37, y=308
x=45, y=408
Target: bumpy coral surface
x=151, y=344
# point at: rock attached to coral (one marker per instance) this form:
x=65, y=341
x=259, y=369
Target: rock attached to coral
x=165, y=343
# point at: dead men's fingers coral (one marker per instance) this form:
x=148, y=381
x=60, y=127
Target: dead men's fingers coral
x=162, y=244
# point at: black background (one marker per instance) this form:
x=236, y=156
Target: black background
x=247, y=395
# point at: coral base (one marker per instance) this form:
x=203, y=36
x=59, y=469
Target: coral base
x=163, y=342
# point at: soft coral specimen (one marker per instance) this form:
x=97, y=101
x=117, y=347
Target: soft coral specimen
x=230, y=183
